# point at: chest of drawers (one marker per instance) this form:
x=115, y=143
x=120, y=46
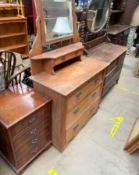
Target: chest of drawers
x=114, y=55
x=76, y=91
x=25, y=127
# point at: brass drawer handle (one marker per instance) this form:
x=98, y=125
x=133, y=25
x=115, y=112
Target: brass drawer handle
x=94, y=94
x=78, y=95
x=35, y=151
x=77, y=110
x=34, y=131
x=34, y=141
x=33, y=119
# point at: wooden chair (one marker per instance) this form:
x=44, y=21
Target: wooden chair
x=11, y=75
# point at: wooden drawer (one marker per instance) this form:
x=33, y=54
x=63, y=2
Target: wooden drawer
x=121, y=60
x=112, y=66
x=111, y=83
x=21, y=160
x=30, y=134
x=29, y=144
x=77, y=96
x=29, y=121
x=77, y=111
x=76, y=127
x=110, y=75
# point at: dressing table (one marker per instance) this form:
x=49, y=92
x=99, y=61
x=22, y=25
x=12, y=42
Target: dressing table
x=61, y=72
x=95, y=21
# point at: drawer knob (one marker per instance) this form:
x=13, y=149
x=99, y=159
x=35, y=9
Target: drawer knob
x=94, y=94
x=78, y=95
x=76, y=110
x=34, y=141
x=34, y=131
x=33, y=119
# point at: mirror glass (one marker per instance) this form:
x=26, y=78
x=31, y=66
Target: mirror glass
x=97, y=16
x=58, y=18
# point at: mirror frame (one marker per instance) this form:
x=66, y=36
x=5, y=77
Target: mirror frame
x=109, y=12
x=41, y=39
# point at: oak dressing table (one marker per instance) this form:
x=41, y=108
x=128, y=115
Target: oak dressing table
x=62, y=73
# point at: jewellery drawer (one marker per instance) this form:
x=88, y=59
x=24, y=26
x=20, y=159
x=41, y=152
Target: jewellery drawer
x=76, y=127
x=32, y=119
x=77, y=111
x=77, y=96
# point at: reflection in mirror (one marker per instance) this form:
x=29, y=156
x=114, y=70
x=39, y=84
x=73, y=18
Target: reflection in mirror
x=98, y=13
x=58, y=19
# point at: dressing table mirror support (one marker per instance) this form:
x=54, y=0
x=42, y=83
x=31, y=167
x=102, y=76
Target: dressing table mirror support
x=41, y=40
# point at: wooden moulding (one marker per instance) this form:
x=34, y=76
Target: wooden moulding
x=133, y=139
x=47, y=61
x=137, y=71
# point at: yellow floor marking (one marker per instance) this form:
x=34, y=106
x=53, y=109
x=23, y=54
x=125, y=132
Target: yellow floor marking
x=122, y=88
x=52, y=172
x=118, y=120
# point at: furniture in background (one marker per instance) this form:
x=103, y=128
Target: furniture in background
x=120, y=19
x=60, y=72
x=96, y=41
x=12, y=74
x=28, y=6
x=133, y=140
x=13, y=29
x=118, y=31
x=25, y=118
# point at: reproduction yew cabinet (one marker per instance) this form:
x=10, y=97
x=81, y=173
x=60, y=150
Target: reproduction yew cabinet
x=75, y=88
x=25, y=127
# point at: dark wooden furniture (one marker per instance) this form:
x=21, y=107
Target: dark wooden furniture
x=113, y=55
x=11, y=74
x=120, y=19
x=25, y=126
x=98, y=46
x=13, y=30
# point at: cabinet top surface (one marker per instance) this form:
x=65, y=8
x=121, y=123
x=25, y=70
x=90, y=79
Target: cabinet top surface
x=17, y=103
x=59, y=52
x=68, y=79
x=107, y=52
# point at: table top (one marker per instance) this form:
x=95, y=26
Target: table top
x=18, y=102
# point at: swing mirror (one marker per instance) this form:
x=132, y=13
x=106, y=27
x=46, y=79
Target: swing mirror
x=97, y=16
x=57, y=19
